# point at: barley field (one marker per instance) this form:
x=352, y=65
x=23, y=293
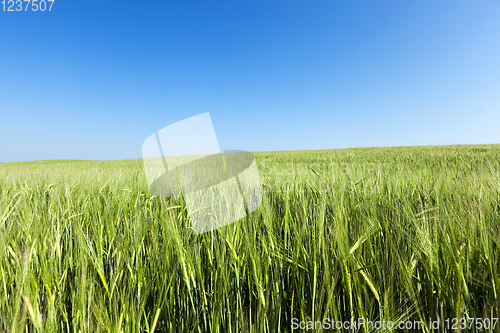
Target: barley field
x=400, y=233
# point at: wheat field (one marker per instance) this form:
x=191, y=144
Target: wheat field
x=400, y=233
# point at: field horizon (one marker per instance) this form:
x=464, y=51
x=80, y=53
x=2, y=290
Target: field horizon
x=62, y=160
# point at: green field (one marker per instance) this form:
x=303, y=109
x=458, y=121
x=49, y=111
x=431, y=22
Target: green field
x=401, y=233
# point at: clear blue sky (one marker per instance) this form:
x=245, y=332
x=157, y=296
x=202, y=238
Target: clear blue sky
x=94, y=79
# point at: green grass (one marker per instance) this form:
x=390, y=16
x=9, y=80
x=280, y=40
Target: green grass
x=377, y=233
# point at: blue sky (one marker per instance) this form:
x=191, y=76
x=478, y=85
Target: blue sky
x=94, y=79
